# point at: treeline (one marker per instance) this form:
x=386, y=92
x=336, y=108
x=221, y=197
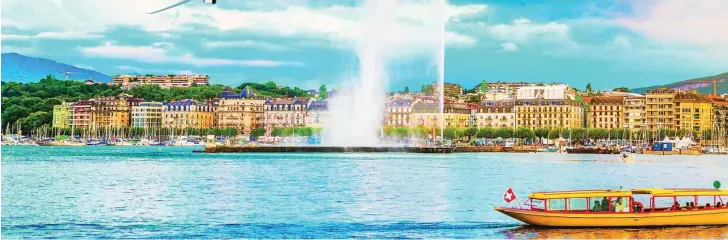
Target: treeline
x=31, y=104
x=135, y=132
x=575, y=134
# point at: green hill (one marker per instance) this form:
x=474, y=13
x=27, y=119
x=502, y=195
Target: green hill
x=703, y=85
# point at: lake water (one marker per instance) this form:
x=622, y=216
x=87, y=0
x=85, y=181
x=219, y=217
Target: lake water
x=170, y=192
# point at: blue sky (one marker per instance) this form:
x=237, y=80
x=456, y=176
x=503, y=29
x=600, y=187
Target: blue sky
x=309, y=42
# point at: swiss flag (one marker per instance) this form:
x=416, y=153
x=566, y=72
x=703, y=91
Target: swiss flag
x=509, y=196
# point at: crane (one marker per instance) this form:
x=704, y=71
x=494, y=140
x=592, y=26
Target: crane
x=694, y=84
x=183, y=2
x=70, y=73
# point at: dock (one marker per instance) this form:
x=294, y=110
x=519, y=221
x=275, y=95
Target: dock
x=324, y=149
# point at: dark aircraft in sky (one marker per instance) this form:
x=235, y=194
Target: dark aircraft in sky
x=183, y=2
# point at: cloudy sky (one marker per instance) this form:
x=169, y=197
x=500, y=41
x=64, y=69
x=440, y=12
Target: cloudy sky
x=309, y=42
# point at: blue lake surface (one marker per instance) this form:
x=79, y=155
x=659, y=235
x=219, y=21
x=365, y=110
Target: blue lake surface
x=170, y=192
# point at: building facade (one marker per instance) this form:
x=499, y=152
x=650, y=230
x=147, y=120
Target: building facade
x=659, y=109
x=188, y=114
x=606, y=112
x=80, y=114
x=317, y=114
x=693, y=112
x=398, y=112
x=457, y=115
x=564, y=113
x=164, y=81
x=425, y=114
x=147, y=115
x=112, y=112
x=287, y=112
x=634, y=112
x=495, y=114
x=62, y=115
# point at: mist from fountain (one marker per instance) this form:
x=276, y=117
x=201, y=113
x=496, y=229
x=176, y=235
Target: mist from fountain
x=357, y=111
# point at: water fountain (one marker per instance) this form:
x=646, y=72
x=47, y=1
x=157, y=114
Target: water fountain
x=357, y=112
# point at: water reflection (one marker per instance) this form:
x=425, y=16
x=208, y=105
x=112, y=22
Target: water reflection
x=712, y=232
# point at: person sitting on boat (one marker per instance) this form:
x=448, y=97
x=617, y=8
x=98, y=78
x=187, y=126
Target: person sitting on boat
x=617, y=206
x=605, y=204
x=676, y=206
x=719, y=204
x=687, y=206
x=692, y=206
x=597, y=207
x=707, y=205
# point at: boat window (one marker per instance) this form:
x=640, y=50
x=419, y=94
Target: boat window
x=538, y=204
x=598, y=204
x=620, y=204
x=557, y=204
x=577, y=204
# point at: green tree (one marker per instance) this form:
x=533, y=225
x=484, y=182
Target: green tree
x=504, y=132
x=428, y=89
x=486, y=132
x=277, y=132
x=406, y=90
x=258, y=132
x=483, y=86
x=555, y=133
x=451, y=133
x=588, y=87
x=323, y=93
x=470, y=132
x=621, y=89
x=524, y=133
x=541, y=132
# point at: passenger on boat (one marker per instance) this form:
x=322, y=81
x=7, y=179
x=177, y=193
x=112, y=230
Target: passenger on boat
x=676, y=206
x=687, y=206
x=618, y=207
x=597, y=207
x=719, y=204
x=605, y=204
x=707, y=205
x=692, y=206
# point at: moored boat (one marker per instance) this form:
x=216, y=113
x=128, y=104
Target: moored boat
x=618, y=208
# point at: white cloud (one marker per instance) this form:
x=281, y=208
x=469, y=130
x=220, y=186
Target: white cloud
x=14, y=37
x=246, y=44
x=54, y=35
x=509, y=47
x=336, y=24
x=69, y=35
x=153, y=54
x=129, y=68
x=700, y=23
x=186, y=72
x=522, y=30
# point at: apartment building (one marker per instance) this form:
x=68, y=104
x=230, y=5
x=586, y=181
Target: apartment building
x=659, y=109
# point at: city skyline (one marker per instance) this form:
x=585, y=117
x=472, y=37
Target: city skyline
x=606, y=43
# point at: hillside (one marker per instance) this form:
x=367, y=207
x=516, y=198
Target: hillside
x=21, y=68
x=696, y=83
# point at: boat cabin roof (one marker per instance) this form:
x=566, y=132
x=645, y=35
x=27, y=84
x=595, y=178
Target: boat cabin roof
x=655, y=192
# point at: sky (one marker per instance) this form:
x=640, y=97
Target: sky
x=305, y=43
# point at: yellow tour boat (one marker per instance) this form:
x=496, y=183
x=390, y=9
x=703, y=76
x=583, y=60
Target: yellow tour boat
x=619, y=208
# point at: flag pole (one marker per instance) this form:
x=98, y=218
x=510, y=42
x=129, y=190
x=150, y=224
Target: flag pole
x=516, y=197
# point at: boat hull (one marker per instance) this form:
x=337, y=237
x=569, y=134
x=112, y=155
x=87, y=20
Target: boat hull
x=652, y=219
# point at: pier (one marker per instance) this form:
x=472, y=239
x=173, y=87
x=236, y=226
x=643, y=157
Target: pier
x=323, y=149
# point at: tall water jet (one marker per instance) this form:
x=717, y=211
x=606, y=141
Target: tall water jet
x=357, y=111
x=442, y=18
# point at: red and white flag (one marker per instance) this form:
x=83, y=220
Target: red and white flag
x=509, y=196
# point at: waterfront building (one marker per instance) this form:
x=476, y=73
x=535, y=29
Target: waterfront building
x=80, y=114
x=634, y=111
x=425, y=113
x=536, y=113
x=606, y=112
x=147, y=115
x=693, y=112
x=112, y=111
x=187, y=113
x=507, y=89
x=285, y=112
x=720, y=114
x=243, y=111
x=548, y=106
x=62, y=115
x=164, y=81
x=659, y=109
x=317, y=114
x=457, y=115
x=451, y=89
x=398, y=113
x=495, y=114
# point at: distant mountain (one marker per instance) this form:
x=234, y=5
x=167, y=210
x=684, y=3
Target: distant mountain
x=703, y=85
x=21, y=68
